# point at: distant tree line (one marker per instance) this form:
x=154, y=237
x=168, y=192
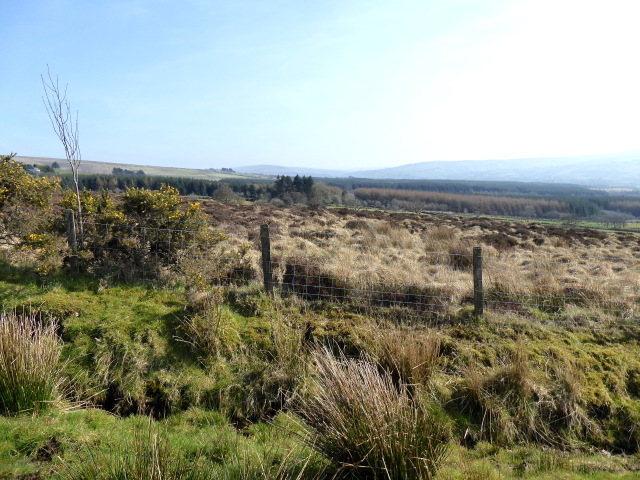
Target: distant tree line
x=601, y=208
x=585, y=207
x=40, y=168
x=286, y=184
x=121, y=182
x=289, y=190
x=573, y=200
x=460, y=203
x=466, y=187
x=304, y=190
x=124, y=171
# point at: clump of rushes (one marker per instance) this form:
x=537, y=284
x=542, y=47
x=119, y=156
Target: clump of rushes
x=29, y=363
x=406, y=355
x=370, y=425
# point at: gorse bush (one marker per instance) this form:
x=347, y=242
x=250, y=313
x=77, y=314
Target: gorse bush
x=147, y=231
x=20, y=190
x=370, y=426
x=29, y=364
x=159, y=204
x=26, y=216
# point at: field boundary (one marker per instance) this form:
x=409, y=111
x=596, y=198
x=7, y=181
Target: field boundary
x=289, y=261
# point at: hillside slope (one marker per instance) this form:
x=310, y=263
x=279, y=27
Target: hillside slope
x=107, y=167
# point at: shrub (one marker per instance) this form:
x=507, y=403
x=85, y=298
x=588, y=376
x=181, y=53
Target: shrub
x=147, y=234
x=25, y=214
x=29, y=364
x=20, y=190
x=141, y=202
x=370, y=426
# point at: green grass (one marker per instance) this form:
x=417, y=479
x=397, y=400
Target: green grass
x=91, y=444
x=70, y=445
x=488, y=462
x=220, y=375
x=137, y=349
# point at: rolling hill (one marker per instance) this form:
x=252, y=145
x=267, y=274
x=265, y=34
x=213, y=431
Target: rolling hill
x=612, y=170
x=107, y=167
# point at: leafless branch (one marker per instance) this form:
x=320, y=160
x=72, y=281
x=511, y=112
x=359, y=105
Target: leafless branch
x=66, y=128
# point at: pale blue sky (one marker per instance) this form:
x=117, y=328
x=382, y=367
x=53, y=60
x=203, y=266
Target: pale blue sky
x=328, y=84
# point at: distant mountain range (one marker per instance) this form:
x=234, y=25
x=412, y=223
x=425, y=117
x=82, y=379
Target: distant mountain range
x=611, y=170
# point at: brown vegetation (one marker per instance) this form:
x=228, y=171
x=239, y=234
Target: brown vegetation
x=422, y=262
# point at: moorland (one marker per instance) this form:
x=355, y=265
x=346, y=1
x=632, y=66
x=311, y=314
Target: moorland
x=153, y=351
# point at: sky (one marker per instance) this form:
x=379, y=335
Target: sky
x=348, y=84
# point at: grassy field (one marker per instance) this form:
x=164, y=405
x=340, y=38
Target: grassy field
x=188, y=379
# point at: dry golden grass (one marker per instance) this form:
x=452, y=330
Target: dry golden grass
x=423, y=262
x=369, y=424
x=405, y=354
x=29, y=363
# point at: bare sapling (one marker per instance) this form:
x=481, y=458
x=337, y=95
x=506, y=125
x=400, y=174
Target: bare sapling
x=66, y=128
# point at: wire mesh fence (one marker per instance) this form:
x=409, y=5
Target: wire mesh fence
x=436, y=280
x=382, y=272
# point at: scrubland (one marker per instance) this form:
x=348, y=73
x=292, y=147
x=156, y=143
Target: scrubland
x=367, y=362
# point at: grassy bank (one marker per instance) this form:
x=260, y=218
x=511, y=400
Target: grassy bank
x=221, y=375
x=186, y=378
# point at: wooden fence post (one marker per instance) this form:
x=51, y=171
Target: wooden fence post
x=70, y=223
x=266, y=258
x=478, y=292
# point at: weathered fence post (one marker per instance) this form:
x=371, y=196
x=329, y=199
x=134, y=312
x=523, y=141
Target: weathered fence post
x=266, y=258
x=70, y=223
x=478, y=292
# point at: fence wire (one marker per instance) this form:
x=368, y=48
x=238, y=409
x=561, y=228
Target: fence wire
x=371, y=272
x=435, y=280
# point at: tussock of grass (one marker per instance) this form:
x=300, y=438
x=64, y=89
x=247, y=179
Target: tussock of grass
x=209, y=328
x=29, y=363
x=268, y=378
x=370, y=426
x=405, y=355
x=513, y=402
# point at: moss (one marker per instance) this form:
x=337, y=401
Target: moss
x=575, y=386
